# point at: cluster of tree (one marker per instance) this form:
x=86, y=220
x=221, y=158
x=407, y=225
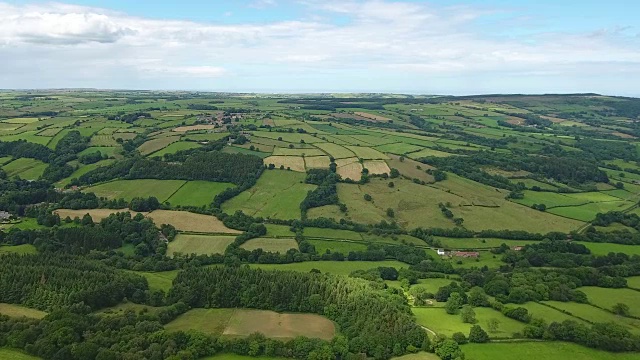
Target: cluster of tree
x=91, y=158
x=325, y=194
x=608, y=150
x=17, y=194
x=374, y=322
x=50, y=281
x=210, y=166
x=129, y=118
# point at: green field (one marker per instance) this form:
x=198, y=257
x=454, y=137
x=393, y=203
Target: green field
x=596, y=315
x=28, y=169
x=607, y=298
x=548, y=314
x=634, y=282
x=11, y=354
x=277, y=194
x=438, y=320
x=605, y=248
x=479, y=243
x=339, y=234
x=199, y=244
x=432, y=285
x=280, y=245
x=13, y=310
x=197, y=193
x=159, y=280
x=128, y=189
x=279, y=230
x=18, y=249
x=332, y=267
x=83, y=170
x=344, y=247
x=538, y=351
x=239, y=357
x=175, y=147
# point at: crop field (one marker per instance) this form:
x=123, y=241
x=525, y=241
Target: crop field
x=297, y=152
x=294, y=163
x=25, y=168
x=199, y=244
x=128, y=189
x=190, y=222
x=438, y=320
x=197, y=193
x=316, y=162
x=367, y=153
x=277, y=194
x=332, y=267
x=280, y=245
x=15, y=311
x=243, y=322
x=376, y=167
x=351, y=170
x=11, y=354
x=175, y=147
x=539, y=350
x=96, y=214
x=607, y=298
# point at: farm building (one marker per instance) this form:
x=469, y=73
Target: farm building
x=441, y=252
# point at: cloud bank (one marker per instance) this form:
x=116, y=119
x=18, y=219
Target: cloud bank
x=378, y=46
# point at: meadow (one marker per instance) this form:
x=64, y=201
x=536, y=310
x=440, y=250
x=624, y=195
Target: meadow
x=11, y=354
x=437, y=319
x=25, y=168
x=128, y=189
x=190, y=222
x=243, y=322
x=332, y=267
x=270, y=244
x=539, y=350
x=199, y=244
x=13, y=310
x=607, y=298
x=197, y=193
x=277, y=194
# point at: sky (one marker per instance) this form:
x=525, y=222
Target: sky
x=458, y=47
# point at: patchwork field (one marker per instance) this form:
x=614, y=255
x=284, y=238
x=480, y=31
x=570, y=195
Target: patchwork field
x=243, y=322
x=596, y=315
x=199, y=244
x=439, y=321
x=25, y=168
x=607, y=298
x=175, y=147
x=96, y=214
x=294, y=163
x=157, y=144
x=332, y=267
x=128, y=189
x=277, y=194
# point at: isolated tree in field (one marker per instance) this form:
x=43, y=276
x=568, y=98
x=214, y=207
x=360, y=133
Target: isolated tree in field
x=459, y=338
x=468, y=315
x=391, y=184
x=391, y=213
x=620, y=309
x=477, y=297
x=493, y=325
x=367, y=197
x=478, y=335
x=394, y=173
x=453, y=303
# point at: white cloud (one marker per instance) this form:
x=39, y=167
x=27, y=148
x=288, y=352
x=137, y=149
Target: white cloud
x=384, y=46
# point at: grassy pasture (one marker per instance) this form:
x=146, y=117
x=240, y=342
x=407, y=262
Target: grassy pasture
x=321, y=233
x=22, y=120
x=190, y=222
x=398, y=148
x=332, y=267
x=438, y=320
x=175, y=147
x=162, y=280
x=243, y=322
x=18, y=249
x=367, y=153
x=594, y=314
x=96, y=214
x=277, y=194
x=29, y=136
x=295, y=163
x=13, y=310
x=11, y=354
x=588, y=212
x=432, y=285
x=478, y=243
x=103, y=140
x=83, y=170
x=197, y=193
x=344, y=247
x=607, y=298
x=26, y=168
x=429, y=152
x=605, y=248
x=634, y=282
x=156, y=144
x=279, y=230
x=539, y=350
x=104, y=150
x=128, y=189
x=376, y=167
x=547, y=313
x=418, y=356
x=280, y=245
x=351, y=171
x=335, y=150
x=297, y=152
x=199, y=244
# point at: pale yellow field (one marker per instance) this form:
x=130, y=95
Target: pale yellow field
x=372, y=116
x=193, y=127
x=296, y=163
x=96, y=214
x=13, y=310
x=199, y=244
x=346, y=161
x=270, y=244
x=187, y=221
x=351, y=171
x=377, y=167
x=321, y=162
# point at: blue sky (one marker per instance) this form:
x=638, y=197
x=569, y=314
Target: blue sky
x=431, y=47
